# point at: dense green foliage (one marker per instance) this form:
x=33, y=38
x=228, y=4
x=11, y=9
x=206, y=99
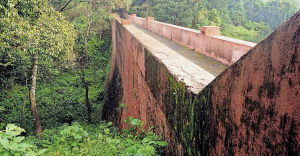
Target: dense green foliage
x=60, y=96
x=29, y=27
x=60, y=93
x=250, y=20
x=72, y=71
x=102, y=139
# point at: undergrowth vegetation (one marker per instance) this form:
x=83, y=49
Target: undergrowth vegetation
x=76, y=139
x=61, y=100
x=11, y=143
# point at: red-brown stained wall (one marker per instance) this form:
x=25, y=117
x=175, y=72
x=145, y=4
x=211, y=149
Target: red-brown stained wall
x=223, y=49
x=254, y=105
x=128, y=84
x=252, y=108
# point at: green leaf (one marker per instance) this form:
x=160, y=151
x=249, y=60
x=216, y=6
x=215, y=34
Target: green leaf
x=24, y=145
x=109, y=124
x=152, y=127
x=42, y=151
x=10, y=134
x=17, y=154
x=146, y=140
x=14, y=146
x=30, y=153
x=74, y=144
x=135, y=122
x=162, y=143
x=152, y=142
x=148, y=150
x=18, y=139
x=106, y=130
x=6, y=154
x=4, y=142
x=11, y=127
x=131, y=150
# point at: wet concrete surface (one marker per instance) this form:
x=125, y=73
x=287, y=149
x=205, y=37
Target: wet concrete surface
x=209, y=64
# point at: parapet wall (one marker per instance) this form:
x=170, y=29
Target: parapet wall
x=224, y=49
x=252, y=108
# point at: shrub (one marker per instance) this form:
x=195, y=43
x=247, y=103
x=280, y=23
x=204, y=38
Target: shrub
x=103, y=139
x=11, y=143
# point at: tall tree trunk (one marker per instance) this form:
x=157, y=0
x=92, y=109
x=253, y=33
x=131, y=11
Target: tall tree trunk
x=89, y=22
x=147, y=11
x=86, y=48
x=100, y=35
x=87, y=101
x=24, y=100
x=34, y=112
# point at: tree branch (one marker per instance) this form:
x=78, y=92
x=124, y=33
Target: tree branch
x=63, y=8
x=75, y=5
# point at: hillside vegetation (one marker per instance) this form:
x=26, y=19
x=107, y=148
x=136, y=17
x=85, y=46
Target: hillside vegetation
x=54, y=61
x=250, y=20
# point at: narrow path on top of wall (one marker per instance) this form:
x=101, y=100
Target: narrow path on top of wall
x=209, y=64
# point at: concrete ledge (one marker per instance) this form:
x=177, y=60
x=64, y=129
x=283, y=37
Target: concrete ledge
x=150, y=18
x=224, y=49
x=126, y=22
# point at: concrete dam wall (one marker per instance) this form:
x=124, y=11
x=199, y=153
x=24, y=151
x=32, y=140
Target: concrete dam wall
x=206, y=41
x=252, y=108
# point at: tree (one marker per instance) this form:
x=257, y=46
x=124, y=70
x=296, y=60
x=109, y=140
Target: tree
x=253, y=8
x=32, y=28
x=180, y=13
x=209, y=18
x=90, y=18
x=276, y=12
x=237, y=12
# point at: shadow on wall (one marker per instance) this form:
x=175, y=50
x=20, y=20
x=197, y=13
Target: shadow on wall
x=114, y=94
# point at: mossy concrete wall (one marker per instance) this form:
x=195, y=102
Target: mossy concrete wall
x=252, y=108
x=134, y=83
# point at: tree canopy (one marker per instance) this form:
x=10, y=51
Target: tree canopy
x=33, y=27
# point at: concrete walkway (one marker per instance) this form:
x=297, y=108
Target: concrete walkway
x=210, y=65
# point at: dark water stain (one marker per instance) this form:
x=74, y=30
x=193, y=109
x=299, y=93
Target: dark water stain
x=291, y=83
x=250, y=87
x=296, y=35
x=268, y=87
x=152, y=73
x=114, y=94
